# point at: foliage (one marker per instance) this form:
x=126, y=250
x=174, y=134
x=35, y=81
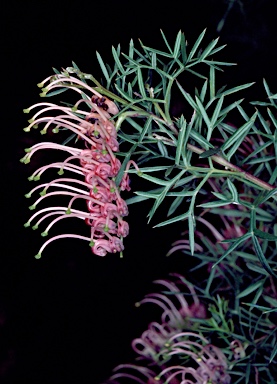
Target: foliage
x=211, y=163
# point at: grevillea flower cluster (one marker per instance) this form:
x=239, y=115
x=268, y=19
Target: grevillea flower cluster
x=95, y=161
x=171, y=351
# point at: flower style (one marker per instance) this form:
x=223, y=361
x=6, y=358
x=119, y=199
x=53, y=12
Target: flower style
x=210, y=362
x=175, y=317
x=96, y=163
x=174, y=339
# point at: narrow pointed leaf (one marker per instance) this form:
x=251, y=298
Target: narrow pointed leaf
x=180, y=143
x=177, y=44
x=250, y=289
x=103, y=67
x=239, y=134
x=173, y=220
x=236, y=89
x=233, y=247
x=261, y=256
x=196, y=45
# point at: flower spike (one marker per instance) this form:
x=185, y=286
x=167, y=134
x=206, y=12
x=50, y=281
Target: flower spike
x=95, y=162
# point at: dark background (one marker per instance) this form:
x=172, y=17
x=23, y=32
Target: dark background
x=70, y=317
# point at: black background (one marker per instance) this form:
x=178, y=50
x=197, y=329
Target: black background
x=70, y=317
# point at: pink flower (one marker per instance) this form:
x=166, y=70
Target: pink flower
x=170, y=351
x=97, y=166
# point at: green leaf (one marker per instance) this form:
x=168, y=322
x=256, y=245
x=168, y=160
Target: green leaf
x=168, y=46
x=131, y=49
x=274, y=121
x=163, y=194
x=175, y=204
x=230, y=107
x=267, y=88
x=264, y=123
x=136, y=199
x=177, y=45
x=187, y=97
x=191, y=223
x=250, y=289
x=158, y=52
x=216, y=112
x=151, y=169
x=183, y=216
x=117, y=61
x=256, y=268
x=204, y=91
x=273, y=353
x=262, y=257
x=265, y=235
x=180, y=142
x=141, y=84
x=212, y=82
x=183, y=49
x=236, y=89
x=214, y=204
x=154, y=180
x=53, y=93
x=196, y=45
x=239, y=135
x=208, y=50
x=233, y=246
x=209, y=153
x=203, y=113
x=154, y=60
x=162, y=148
x=233, y=190
x=200, y=139
x=268, y=195
x=103, y=67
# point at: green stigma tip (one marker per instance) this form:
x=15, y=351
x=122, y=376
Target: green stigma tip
x=42, y=94
x=35, y=126
x=140, y=173
x=31, y=120
x=43, y=193
x=55, y=130
x=34, y=227
x=28, y=195
x=43, y=234
x=32, y=207
x=74, y=109
x=68, y=211
x=36, y=178
x=31, y=178
x=27, y=110
x=40, y=85
x=91, y=244
x=27, y=150
x=43, y=131
x=26, y=225
x=60, y=172
x=38, y=256
x=27, y=129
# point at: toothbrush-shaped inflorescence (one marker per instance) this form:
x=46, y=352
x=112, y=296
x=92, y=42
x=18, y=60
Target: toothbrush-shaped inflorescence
x=94, y=167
